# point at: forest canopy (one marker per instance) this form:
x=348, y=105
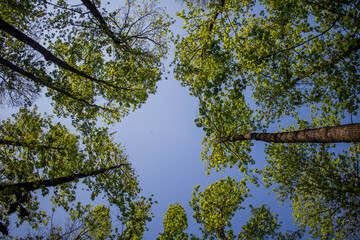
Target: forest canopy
x=279, y=71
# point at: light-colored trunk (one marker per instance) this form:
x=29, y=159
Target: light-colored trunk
x=342, y=133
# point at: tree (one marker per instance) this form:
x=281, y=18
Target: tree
x=216, y=206
x=175, y=223
x=39, y=158
x=264, y=225
x=93, y=63
x=262, y=62
x=322, y=186
x=259, y=52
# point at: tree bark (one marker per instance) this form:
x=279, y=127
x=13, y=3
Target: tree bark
x=35, y=185
x=342, y=133
x=4, y=26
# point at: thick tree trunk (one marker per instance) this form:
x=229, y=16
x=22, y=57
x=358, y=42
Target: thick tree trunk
x=35, y=185
x=4, y=26
x=47, y=84
x=342, y=133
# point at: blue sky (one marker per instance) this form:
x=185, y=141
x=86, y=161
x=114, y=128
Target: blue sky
x=163, y=144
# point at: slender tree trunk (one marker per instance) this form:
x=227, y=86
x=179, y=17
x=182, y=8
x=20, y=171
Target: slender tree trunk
x=35, y=185
x=120, y=44
x=222, y=233
x=48, y=84
x=342, y=133
x=221, y=229
x=95, y=12
x=4, y=26
x=22, y=144
x=213, y=20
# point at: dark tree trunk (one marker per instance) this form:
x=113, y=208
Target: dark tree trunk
x=97, y=15
x=22, y=144
x=35, y=185
x=342, y=133
x=4, y=26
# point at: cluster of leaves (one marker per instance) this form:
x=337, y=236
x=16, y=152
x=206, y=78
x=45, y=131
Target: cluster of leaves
x=322, y=186
x=255, y=63
x=92, y=64
x=214, y=209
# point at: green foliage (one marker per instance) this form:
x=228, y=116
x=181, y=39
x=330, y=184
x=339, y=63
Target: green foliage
x=214, y=209
x=136, y=214
x=323, y=186
x=175, y=223
x=36, y=150
x=216, y=205
x=264, y=225
x=254, y=63
x=86, y=222
x=287, y=55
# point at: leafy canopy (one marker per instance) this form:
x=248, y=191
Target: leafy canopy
x=38, y=150
x=255, y=63
x=93, y=62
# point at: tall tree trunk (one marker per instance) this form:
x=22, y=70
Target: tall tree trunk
x=48, y=84
x=4, y=26
x=342, y=133
x=35, y=185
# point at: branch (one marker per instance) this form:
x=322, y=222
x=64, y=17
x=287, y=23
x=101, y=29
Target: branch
x=330, y=61
x=211, y=25
x=300, y=44
x=97, y=15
